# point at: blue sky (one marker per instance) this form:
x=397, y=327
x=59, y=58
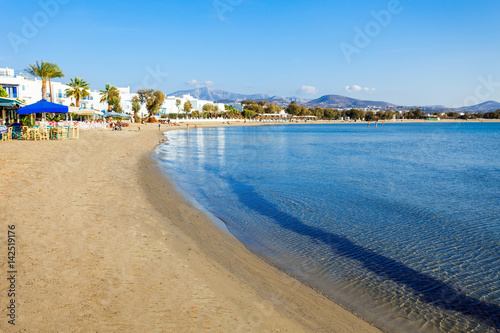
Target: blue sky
x=407, y=52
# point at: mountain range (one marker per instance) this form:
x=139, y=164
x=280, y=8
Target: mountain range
x=483, y=107
x=327, y=101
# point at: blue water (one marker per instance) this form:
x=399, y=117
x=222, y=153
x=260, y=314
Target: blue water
x=399, y=223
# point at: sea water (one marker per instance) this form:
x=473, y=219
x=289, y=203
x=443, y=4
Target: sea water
x=399, y=223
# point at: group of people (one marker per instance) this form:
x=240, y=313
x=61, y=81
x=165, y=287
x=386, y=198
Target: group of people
x=118, y=126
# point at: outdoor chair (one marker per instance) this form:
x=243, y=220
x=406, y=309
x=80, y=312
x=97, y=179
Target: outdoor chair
x=25, y=133
x=9, y=134
x=17, y=132
x=64, y=133
x=53, y=134
x=44, y=133
x=34, y=134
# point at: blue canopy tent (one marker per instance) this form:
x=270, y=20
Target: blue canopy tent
x=43, y=107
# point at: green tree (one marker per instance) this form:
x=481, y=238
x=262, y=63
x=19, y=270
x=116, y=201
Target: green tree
x=419, y=114
x=492, y=115
x=370, y=116
x=328, y=113
x=263, y=103
x=187, y=107
x=41, y=70
x=78, y=88
x=3, y=93
x=319, y=112
x=272, y=108
x=293, y=109
x=54, y=72
x=303, y=111
x=109, y=94
x=388, y=114
x=136, y=107
x=152, y=99
x=248, y=114
x=210, y=109
x=195, y=114
x=253, y=106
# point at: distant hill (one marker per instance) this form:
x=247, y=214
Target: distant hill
x=435, y=106
x=337, y=101
x=222, y=96
x=482, y=107
x=210, y=94
x=327, y=101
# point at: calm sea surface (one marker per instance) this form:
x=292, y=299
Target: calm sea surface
x=400, y=223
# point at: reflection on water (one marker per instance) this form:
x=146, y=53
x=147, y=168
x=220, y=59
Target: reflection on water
x=399, y=224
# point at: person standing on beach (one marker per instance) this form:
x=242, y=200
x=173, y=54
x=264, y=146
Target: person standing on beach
x=159, y=126
x=187, y=128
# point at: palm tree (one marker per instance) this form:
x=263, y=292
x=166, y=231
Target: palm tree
x=108, y=94
x=54, y=72
x=41, y=70
x=79, y=89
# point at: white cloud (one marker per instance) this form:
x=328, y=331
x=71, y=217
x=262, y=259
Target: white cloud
x=199, y=84
x=356, y=88
x=308, y=90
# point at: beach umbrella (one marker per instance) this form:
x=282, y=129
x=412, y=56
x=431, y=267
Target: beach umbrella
x=43, y=107
x=112, y=114
x=84, y=112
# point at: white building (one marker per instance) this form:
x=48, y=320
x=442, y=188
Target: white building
x=30, y=90
x=237, y=105
x=170, y=104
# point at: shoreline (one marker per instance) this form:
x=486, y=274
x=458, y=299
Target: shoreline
x=237, y=122
x=106, y=243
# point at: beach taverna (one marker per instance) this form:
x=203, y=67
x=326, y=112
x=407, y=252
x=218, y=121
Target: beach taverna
x=9, y=107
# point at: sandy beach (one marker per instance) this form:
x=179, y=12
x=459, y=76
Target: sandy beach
x=104, y=243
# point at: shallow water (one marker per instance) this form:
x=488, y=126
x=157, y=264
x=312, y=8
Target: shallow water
x=399, y=223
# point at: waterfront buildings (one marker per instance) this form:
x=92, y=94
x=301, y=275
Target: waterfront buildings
x=29, y=90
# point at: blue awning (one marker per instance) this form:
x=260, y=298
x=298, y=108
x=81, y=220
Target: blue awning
x=9, y=102
x=43, y=107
